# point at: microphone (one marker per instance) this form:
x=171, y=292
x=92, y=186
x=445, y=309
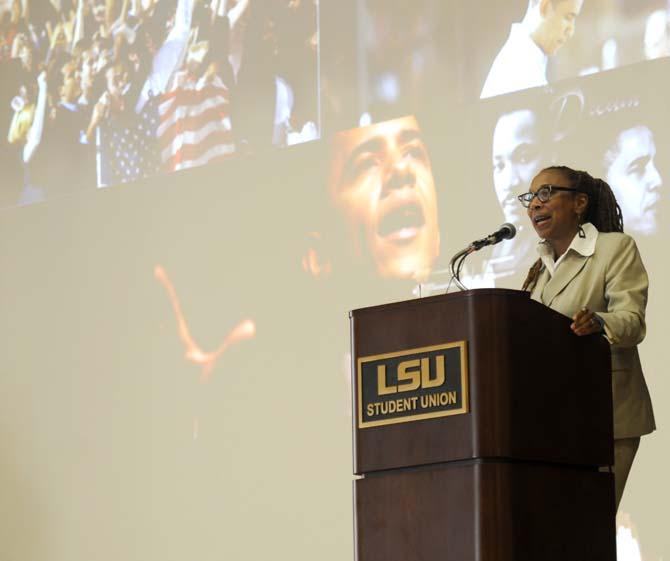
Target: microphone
x=506, y=232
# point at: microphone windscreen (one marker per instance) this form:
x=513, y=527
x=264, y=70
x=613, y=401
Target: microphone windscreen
x=508, y=231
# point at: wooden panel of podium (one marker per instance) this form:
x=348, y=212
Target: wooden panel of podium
x=481, y=423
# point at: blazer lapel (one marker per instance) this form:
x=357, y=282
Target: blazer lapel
x=572, y=264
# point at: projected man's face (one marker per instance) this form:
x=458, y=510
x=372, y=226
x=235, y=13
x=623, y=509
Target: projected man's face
x=117, y=80
x=516, y=160
x=70, y=90
x=559, y=18
x=633, y=176
x=382, y=178
x=26, y=56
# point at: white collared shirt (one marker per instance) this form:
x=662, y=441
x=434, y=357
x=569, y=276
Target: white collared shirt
x=584, y=246
x=520, y=64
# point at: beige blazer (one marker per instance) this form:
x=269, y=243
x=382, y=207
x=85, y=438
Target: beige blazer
x=613, y=283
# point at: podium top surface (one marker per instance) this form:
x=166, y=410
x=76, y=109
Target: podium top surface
x=452, y=296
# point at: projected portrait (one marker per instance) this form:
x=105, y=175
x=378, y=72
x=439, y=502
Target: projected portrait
x=623, y=145
x=382, y=181
x=517, y=158
x=630, y=169
x=522, y=62
x=519, y=150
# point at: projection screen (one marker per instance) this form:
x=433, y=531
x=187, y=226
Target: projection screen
x=195, y=193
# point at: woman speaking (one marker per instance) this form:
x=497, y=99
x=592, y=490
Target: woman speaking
x=590, y=271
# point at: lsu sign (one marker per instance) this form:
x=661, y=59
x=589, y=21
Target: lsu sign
x=410, y=385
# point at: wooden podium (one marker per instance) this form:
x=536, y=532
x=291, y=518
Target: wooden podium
x=480, y=425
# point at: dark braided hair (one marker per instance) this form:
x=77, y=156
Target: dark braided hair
x=602, y=210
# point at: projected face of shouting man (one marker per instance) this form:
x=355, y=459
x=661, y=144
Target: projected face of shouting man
x=381, y=177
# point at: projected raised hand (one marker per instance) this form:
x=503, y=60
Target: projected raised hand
x=313, y=262
x=246, y=329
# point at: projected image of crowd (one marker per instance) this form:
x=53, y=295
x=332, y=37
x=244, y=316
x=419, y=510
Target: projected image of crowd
x=102, y=92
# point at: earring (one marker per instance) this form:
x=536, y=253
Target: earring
x=580, y=221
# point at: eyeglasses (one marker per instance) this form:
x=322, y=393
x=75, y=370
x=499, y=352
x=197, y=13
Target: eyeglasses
x=543, y=194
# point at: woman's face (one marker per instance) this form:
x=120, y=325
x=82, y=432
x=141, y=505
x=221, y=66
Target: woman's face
x=633, y=176
x=556, y=220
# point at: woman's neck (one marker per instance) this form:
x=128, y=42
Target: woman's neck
x=561, y=246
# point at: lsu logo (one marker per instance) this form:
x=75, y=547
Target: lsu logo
x=411, y=375
x=411, y=385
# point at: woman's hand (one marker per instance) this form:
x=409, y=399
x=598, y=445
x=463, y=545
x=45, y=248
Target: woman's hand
x=585, y=322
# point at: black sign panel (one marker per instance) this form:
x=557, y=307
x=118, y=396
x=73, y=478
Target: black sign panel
x=411, y=385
